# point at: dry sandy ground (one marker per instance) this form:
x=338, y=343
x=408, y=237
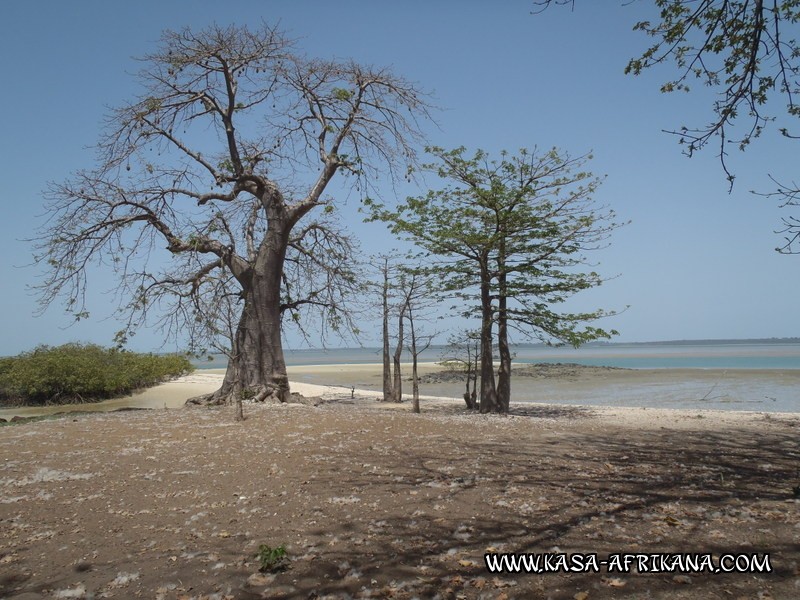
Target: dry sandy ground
x=372, y=501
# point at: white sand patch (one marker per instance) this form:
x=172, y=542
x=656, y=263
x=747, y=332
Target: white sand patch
x=12, y=499
x=344, y=500
x=46, y=475
x=124, y=579
x=77, y=592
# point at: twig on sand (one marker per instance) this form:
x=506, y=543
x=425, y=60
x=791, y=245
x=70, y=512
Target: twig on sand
x=713, y=387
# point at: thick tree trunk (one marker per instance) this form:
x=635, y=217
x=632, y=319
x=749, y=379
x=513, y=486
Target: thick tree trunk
x=474, y=393
x=488, y=391
x=504, y=372
x=256, y=367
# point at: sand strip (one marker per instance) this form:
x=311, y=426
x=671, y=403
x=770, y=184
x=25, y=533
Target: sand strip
x=174, y=394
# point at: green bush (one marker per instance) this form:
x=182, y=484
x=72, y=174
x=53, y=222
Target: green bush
x=82, y=373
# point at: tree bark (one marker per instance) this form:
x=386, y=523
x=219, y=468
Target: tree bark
x=467, y=396
x=474, y=363
x=470, y=386
x=414, y=373
x=488, y=390
x=256, y=367
x=504, y=372
x=388, y=389
x=398, y=354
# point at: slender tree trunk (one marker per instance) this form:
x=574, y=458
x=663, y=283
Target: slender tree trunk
x=504, y=372
x=415, y=384
x=470, y=387
x=414, y=374
x=398, y=355
x=467, y=395
x=488, y=391
x=388, y=389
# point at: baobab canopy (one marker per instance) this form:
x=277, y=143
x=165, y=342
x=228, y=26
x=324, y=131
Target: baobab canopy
x=223, y=160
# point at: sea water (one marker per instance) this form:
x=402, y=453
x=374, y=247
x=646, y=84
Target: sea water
x=723, y=391
x=685, y=355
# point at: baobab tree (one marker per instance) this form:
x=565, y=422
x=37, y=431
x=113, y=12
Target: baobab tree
x=221, y=159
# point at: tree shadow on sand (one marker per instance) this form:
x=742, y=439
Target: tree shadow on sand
x=653, y=492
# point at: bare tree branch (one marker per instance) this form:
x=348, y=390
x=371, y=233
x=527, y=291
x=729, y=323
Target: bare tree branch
x=202, y=179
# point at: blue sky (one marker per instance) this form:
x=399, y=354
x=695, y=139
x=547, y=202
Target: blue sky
x=696, y=261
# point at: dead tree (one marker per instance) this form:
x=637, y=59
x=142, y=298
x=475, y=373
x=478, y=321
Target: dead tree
x=464, y=348
x=417, y=300
x=390, y=305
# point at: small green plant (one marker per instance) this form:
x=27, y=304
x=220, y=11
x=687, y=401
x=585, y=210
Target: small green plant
x=272, y=559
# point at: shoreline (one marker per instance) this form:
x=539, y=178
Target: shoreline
x=749, y=390
x=562, y=388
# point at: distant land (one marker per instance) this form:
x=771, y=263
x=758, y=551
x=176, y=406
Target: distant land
x=596, y=344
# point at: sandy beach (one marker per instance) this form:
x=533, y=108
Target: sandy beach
x=752, y=390
x=373, y=501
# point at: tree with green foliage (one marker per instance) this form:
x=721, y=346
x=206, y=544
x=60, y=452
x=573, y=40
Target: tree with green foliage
x=223, y=159
x=82, y=373
x=511, y=237
x=746, y=51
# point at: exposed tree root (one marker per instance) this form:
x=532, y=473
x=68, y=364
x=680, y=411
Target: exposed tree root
x=265, y=394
